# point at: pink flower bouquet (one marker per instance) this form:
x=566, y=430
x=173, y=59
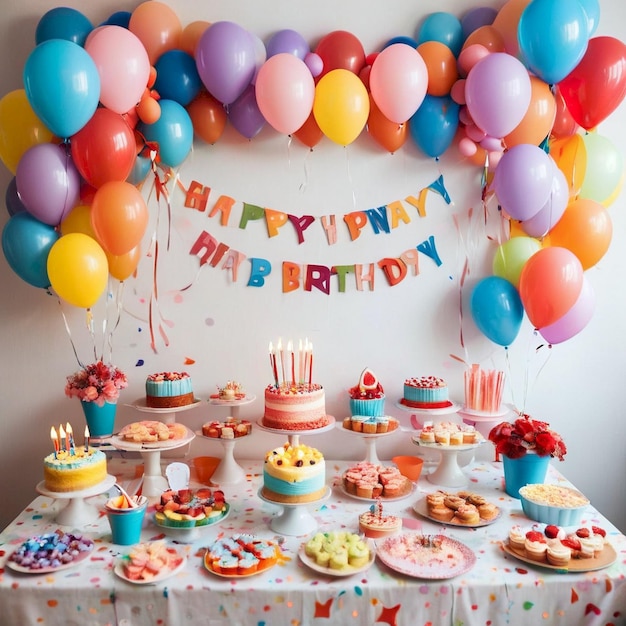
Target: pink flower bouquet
x=97, y=383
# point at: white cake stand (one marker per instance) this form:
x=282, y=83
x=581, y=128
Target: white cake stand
x=78, y=512
x=418, y=414
x=294, y=435
x=233, y=404
x=168, y=415
x=154, y=483
x=295, y=520
x=370, y=441
x=228, y=471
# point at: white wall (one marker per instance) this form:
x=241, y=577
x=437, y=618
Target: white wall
x=412, y=329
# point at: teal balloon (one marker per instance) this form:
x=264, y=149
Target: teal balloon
x=63, y=23
x=443, y=27
x=26, y=243
x=177, y=77
x=497, y=310
x=62, y=85
x=553, y=37
x=433, y=126
x=173, y=132
x=592, y=9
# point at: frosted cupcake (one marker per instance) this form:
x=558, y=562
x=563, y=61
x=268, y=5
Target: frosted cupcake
x=367, y=397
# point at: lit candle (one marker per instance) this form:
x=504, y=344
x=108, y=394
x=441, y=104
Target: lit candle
x=62, y=438
x=293, y=363
x=55, y=441
x=86, y=439
x=70, y=437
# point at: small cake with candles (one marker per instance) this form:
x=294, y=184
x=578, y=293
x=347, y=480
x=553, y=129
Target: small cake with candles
x=374, y=524
x=367, y=397
x=70, y=467
x=168, y=390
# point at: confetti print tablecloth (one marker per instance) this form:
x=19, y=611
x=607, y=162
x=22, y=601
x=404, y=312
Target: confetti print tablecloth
x=499, y=589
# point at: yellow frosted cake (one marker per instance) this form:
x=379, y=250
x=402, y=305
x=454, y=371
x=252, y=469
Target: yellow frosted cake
x=65, y=472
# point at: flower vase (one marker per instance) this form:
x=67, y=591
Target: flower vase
x=100, y=419
x=529, y=469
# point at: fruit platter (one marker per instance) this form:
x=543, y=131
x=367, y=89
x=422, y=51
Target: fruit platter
x=190, y=508
x=149, y=563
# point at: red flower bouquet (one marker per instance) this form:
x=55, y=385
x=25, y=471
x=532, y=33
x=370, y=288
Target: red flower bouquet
x=516, y=439
x=97, y=383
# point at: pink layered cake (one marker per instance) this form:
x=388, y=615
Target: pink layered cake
x=295, y=406
x=426, y=392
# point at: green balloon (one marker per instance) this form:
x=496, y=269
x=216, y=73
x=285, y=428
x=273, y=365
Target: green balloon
x=511, y=256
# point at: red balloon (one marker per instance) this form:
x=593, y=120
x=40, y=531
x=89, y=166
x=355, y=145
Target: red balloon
x=104, y=149
x=597, y=85
x=341, y=50
x=564, y=124
x=309, y=133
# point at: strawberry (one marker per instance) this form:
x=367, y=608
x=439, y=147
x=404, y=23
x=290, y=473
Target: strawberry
x=535, y=535
x=583, y=533
x=552, y=531
x=571, y=541
x=598, y=531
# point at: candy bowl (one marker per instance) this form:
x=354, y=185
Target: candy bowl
x=553, y=504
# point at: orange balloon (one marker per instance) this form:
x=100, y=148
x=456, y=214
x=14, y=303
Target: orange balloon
x=585, y=229
x=310, y=134
x=570, y=155
x=119, y=217
x=390, y=135
x=191, y=35
x=441, y=65
x=539, y=118
x=78, y=220
x=124, y=265
x=148, y=110
x=157, y=27
x=487, y=36
x=208, y=117
x=506, y=23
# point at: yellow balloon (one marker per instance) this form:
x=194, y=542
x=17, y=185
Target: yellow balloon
x=122, y=266
x=341, y=106
x=78, y=220
x=20, y=128
x=78, y=269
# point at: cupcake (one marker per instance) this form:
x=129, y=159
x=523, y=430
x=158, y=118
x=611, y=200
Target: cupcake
x=367, y=397
x=517, y=538
x=536, y=545
x=558, y=554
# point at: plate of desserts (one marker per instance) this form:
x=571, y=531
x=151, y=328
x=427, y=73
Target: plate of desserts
x=338, y=553
x=369, y=481
x=463, y=508
x=370, y=426
x=152, y=435
x=50, y=552
x=240, y=556
x=448, y=436
x=431, y=557
x=149, y=563
x=191, y=508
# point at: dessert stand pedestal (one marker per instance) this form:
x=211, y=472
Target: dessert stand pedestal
x=78, y=512
x=418, y=415
x=370, y=441
x=228, y=471
x=168, y=415
x=295, y=519
x=233, y=404
x=293, y=436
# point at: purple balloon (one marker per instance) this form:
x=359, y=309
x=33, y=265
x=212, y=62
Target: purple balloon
x=12, y=199
x=48, y=182
x=575, y=319
x=315, y=63
x=226, y=60
x=474, y=19
x=244, y=114
x=544, y=221
x=288, y=41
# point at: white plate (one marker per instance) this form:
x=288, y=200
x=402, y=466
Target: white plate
x=482, y=415
x=382, y=498
x=247, y=399
x=164, y=575
x=362, y=434
x=140, y=405
x=47, y=570
x=421, y=508
x=121, y=444
x=329, y=571
x=443, y=447
x=96, y=490
x=435, y=566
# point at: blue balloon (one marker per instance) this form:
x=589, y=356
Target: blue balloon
x=433, y=126
x=63, y=23
x=173, y=132
x=62, y=85
x=26, y=243
x=553, y=37
x=409, y=41
x=592, y=9
x=119, y=18
x=497, y=309
x=443, y=27
x=177, y=77
x=140, y=171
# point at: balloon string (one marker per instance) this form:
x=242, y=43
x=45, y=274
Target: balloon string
x=68, y=331
x=118, y=311
x=305, y=184
x=349, y=172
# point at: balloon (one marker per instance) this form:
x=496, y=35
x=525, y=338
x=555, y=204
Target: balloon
x=341, y=50
x=119, y=217
x=597, y=85
x=592, y=11
x=12, y=199
x=570, y=156
x=173, y=132
x=78, y=220
x=48, y=182
x=244, y=114
x=409, y=41
x=585, y=229
x=124, y=265
x=309, y=133
x=62, y=85
x=434, y=124
x=506, y=23
x=284, y=92
x=511, y=256
x=148, y=110
x=390, y=135
x=260, y=56
x=140, y=171
x=575, y=319
x=487, y=36
x=26, y=243
x=605, y=168
x=78, y=270
x=177, y=77
x=341, y=106
x=550, y=284
x=208, y=117
x=497, y=93
x=538, y=119
x=63, y=23
x=440, y=66
x=104, y=149
x=157, y=26
x=289, y=42
x=564, y=124
x=314, y=63
x=543, y=221
x=443, y=27
x=190, y=36
x=123, y=66
x=226, y=60
x=523, y=180
x=119, y=18
x=553, y=37
x=398, y=81
x=497, y=309
x=476, y=18
x=20, y=128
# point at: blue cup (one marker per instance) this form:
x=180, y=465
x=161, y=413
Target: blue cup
x=530, y=469
x=126, y=524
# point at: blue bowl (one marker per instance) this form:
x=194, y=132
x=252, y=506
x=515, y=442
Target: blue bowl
x=553, y=504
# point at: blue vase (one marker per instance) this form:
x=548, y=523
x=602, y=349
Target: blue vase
x=530, y=469
x=100, y=419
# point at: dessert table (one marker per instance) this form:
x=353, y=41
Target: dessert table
x=498, y=589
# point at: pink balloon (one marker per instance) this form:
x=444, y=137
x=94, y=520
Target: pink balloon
x=540, y=224
x=468, y=57
x=467, y=147
x=398, y=81
x=575, y=319
x=123, y=66
x=285, y=90
x=457, y=93
x=498, y=92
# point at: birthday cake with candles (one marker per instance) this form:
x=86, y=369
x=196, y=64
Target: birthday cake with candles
x=167, y=390
x=70, y=467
